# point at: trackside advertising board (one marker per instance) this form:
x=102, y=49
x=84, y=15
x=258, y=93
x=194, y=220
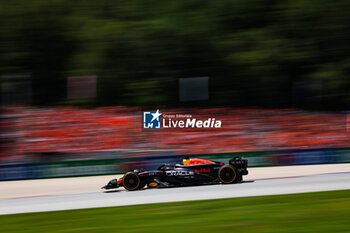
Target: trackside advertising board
x=121, y=165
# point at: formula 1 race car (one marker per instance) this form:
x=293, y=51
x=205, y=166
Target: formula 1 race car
x=191, y=172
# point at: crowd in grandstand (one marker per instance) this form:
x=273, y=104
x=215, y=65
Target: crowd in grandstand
x=28, y=130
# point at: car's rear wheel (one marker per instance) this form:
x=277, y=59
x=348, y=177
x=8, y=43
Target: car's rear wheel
x=228, y=175
x=132, y=181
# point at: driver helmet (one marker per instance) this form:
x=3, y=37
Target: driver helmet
x=186, y=160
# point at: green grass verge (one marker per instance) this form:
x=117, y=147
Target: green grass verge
x=311, y=212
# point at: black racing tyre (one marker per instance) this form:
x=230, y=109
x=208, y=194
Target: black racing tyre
x=132, y=181
x=228, y=175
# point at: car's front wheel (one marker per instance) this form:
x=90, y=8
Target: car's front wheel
x=132, y=181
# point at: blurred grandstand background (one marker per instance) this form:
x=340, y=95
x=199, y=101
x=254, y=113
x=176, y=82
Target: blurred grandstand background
x=76, y=75
x=37, y=131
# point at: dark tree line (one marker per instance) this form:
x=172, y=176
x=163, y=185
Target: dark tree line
x=256, y=52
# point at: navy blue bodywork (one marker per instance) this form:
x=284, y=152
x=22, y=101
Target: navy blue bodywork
x=175, y=175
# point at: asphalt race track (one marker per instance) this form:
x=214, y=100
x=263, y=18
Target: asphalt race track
x=312, y=183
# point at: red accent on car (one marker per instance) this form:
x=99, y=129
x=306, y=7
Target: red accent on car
x=202, y=170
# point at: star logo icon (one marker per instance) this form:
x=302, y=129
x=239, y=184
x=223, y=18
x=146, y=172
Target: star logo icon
x=151, y=119
x=156, y=115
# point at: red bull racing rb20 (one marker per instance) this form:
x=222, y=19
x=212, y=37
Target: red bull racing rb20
x=191, y=172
